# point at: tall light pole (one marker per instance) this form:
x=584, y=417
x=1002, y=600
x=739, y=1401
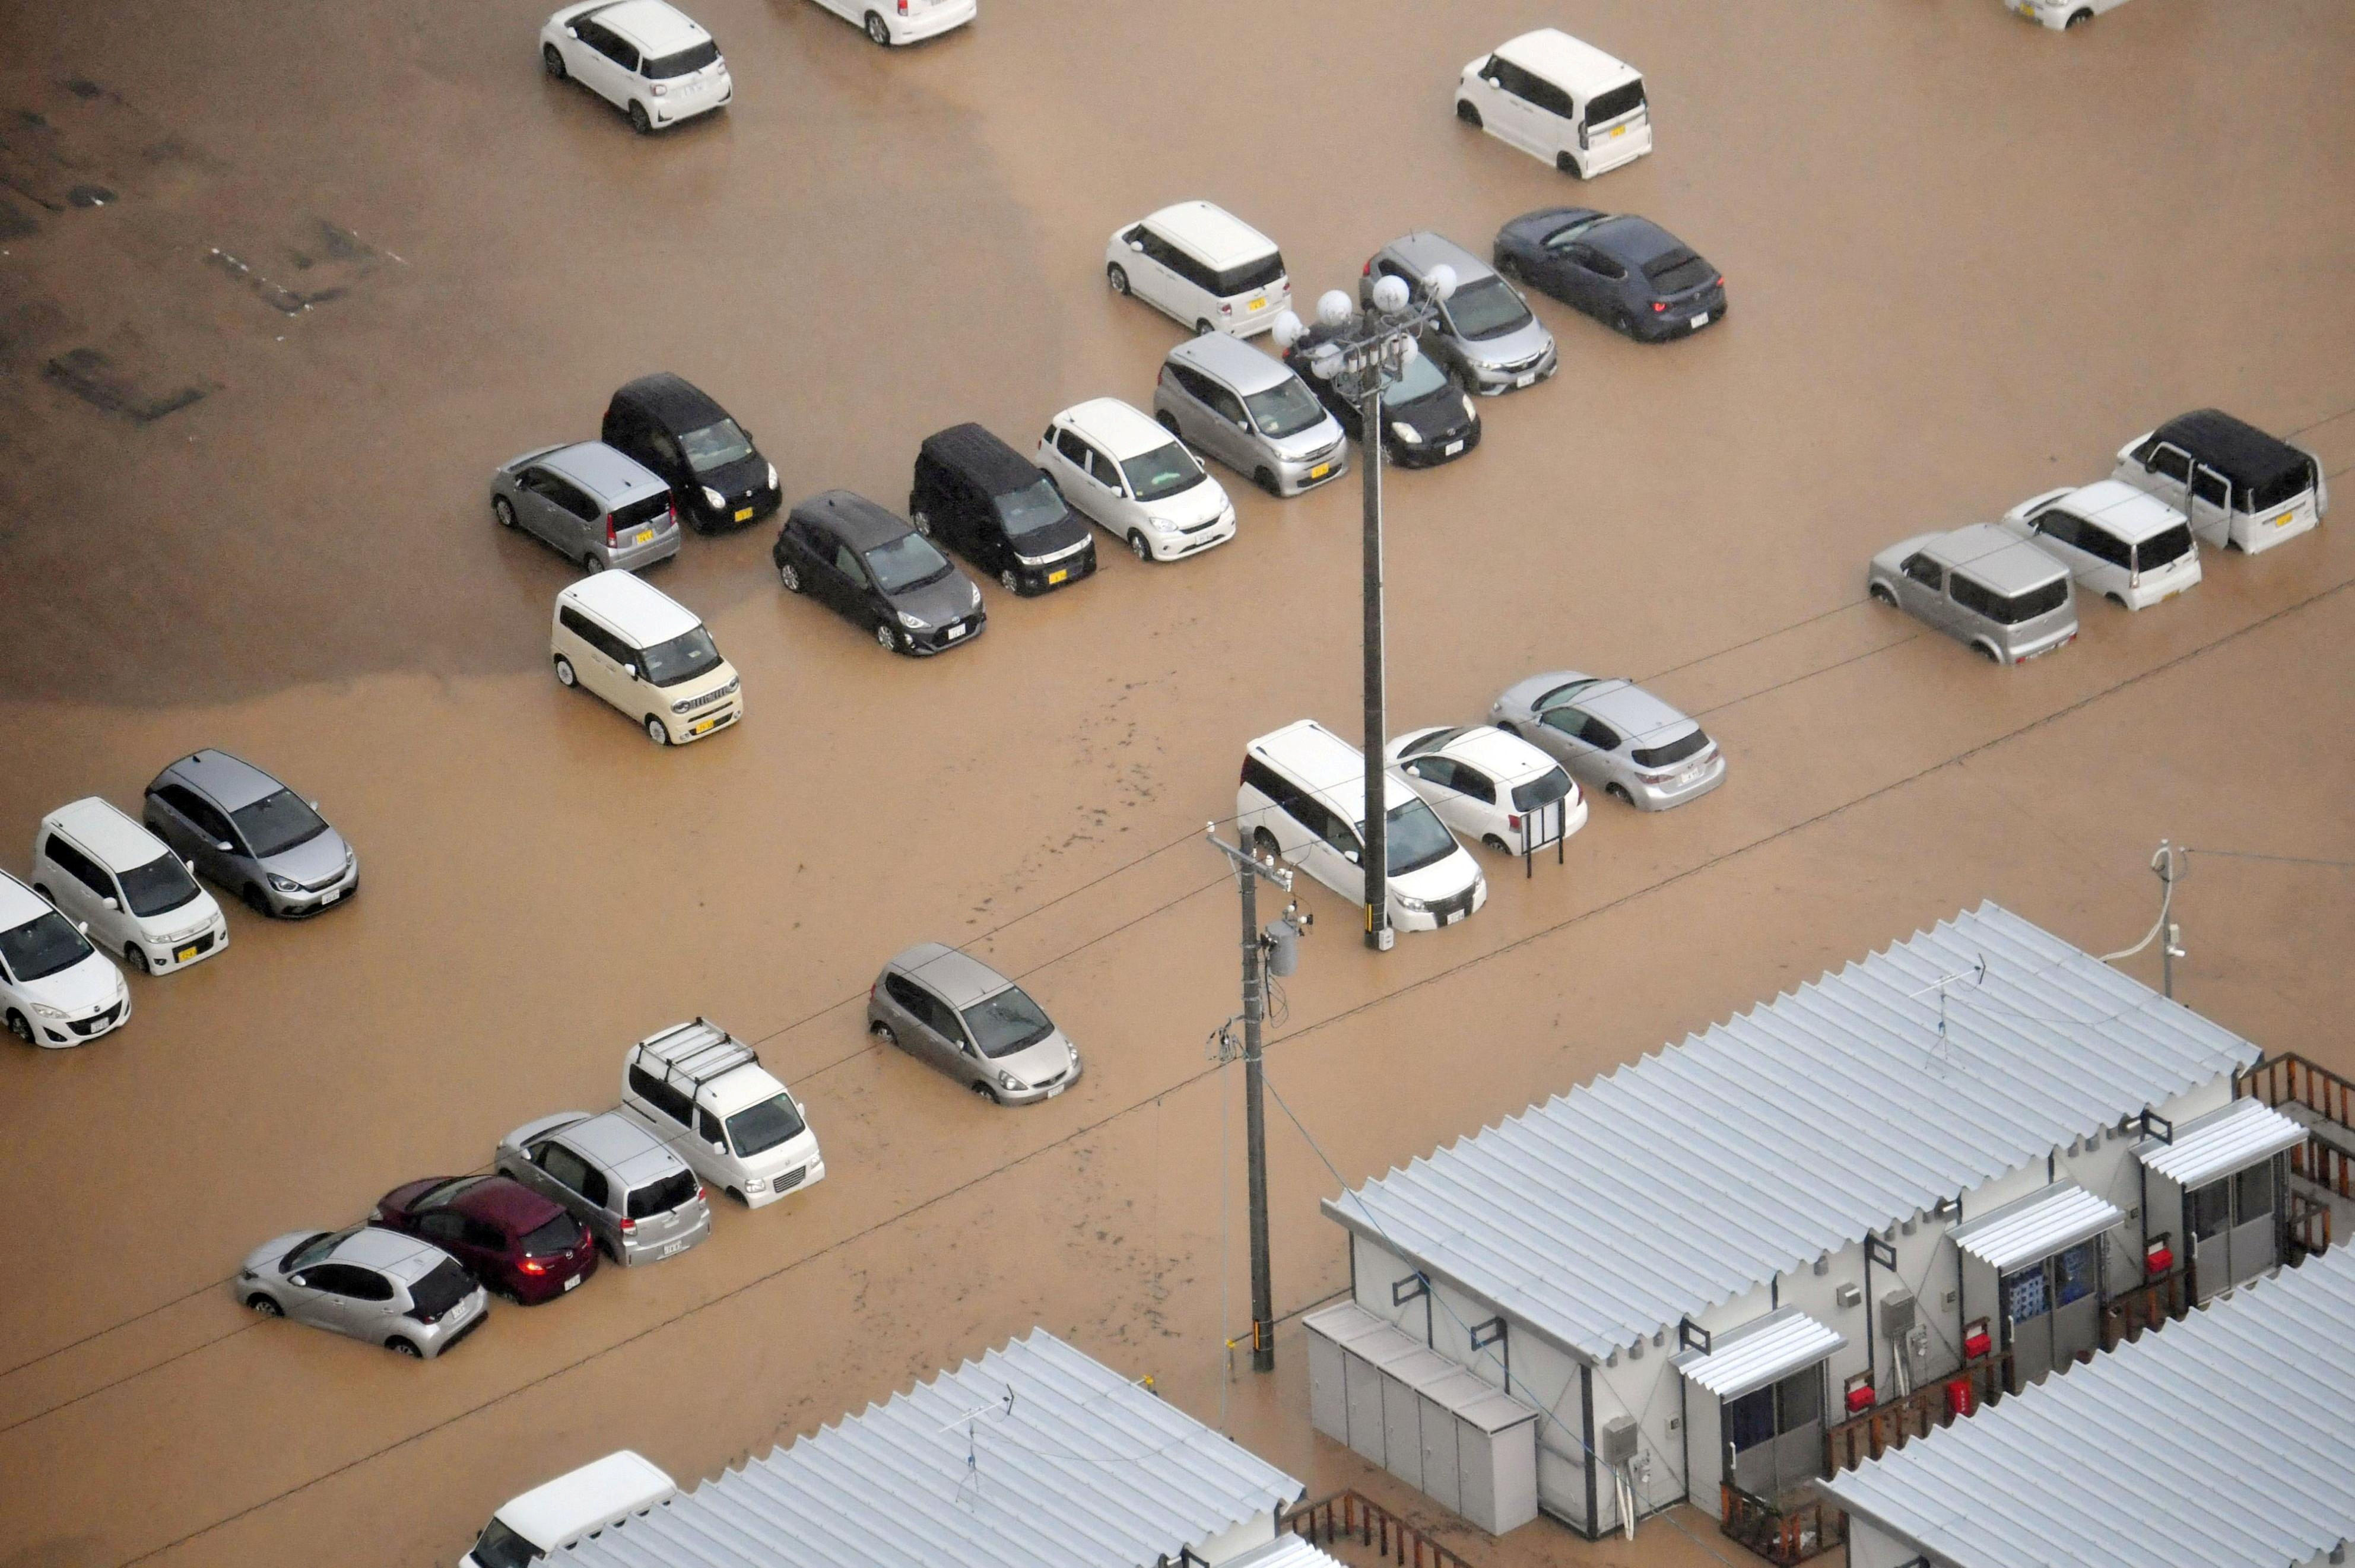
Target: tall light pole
x=1362, y=353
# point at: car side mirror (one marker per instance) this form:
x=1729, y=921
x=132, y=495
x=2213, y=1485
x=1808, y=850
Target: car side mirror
x=314, y=805
x=718, y=1147
x=191, y=865
x=1137, y=246
x=630, y=670
x=223, y=845
x=83, y=925
x=572, y=33
x=1355, y=857
x=303, y=1280
x=113, y=904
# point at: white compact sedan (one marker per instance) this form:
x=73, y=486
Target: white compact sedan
x=1140, y=484
x=2059, y=13
x=1490, y=787
x=2132, y=548
x=650, y=61
x=126, y=886
x=55, y=989
x=889, y=22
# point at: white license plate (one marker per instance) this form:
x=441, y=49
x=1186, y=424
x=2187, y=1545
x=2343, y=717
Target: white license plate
x=331, y=897
x=573, y=1281
x=1700, y=321
x=1527, y=380
x=955, y=632
x=1057, y=1090
x=1453, y=916
x=1453, y=448
x=671, y=1247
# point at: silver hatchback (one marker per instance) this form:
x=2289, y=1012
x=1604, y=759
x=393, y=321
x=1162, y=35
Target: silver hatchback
x=388, y=1289
x=1222, y=396
x=1982, y=585
x=959, y=1015
x=1485, y=335
x=1612, y=736
x=252, y=834
x=637, y=1198
x=590, y=503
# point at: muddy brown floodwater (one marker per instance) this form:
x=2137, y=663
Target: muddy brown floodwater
x=353, y=256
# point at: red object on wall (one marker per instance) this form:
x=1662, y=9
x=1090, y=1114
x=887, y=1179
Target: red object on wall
x=1859, y=1399
x=2159, y=1259
x=1977, y=1344
x=1960, y=1399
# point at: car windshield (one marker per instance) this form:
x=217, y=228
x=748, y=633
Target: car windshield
x=1486, y=307
x=663, y=1195
x=682, y=657
x=1416, y=838
x=1007, y=1022
x=1678, y=271
x=1541, y=791
x=1670, y=752
x=1418, y=379
x=1285, y=409
x=43, y=945
x=687, y=62
x=561, y=1234
x=757, y=1129
x=440, y=1290
x=716, y=446
x=307, y=1252
x=1164, y=470
x=158, y=887
x=277, y=823
x=908, y=562
x=499, y=1547
x=1030, y=509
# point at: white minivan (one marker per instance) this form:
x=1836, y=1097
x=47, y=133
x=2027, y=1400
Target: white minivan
x=1560, y=99
x=55, y=989
x=1139, y=483
x=2132, y=548
x=1303, y=799
x=705, y=1092
x=1202, y=265
x=605, y=1494
x=620, y=637
x=126, y=886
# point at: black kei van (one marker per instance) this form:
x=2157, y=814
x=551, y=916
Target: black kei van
x=715, y=476
x=999, y=510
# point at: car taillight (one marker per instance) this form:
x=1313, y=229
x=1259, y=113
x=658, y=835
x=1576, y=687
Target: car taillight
x=1369, y=271
x=1513, y=821
x=1660, y=306
x=903, y=7
x=674, y=514
x=1721, y=279
x=702, y=1194
x=1225, y=309
x=532, y=1265
x=608, y=529
x=628, y=1225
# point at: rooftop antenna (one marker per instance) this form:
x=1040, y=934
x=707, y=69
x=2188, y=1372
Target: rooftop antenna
x=1977, y=976
x=970, y=1421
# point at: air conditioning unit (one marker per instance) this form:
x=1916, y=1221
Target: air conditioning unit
x=1896, y=1314
x=1616, y=1443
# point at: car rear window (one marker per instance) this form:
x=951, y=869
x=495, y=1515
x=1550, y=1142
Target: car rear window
x=2281, y=490
x=1265, y=273
x=561, y=1234
x=2041, y=600
x=1541, y=791
x=1605, y=107
x=687, y=62
x=447, y=1285
x=662, y=1196
x=642, y=511
x=1672, y=752
x=1678, y=271
x=2160, y=548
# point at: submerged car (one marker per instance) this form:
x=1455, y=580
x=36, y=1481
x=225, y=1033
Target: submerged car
x=998, y=509
x=2253, y=491
x=1484, y=334
x=1626, y=272
x=55, y=989
x=249, y=833
x=637, y=1198
x=1222, y=396
x=648, y=59
x=1614, y=736
x=878, y=573
x=1490, y=787
x=374, y=1285
x=1136, y=481
x=519, y=1243
x=717, y=478
x=1427, y=418
x=590, y=503
x=126, y=886
x=1982, y=585
x=958, y=1016
x=2129, y=546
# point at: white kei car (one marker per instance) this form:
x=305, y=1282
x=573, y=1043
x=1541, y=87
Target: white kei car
x=1139, y=483
x=55, y=989
x=1490, y=787
x=889, y=22
x=2058, y=14
x=126, y=888
x=2132, y=548
x=650, y=61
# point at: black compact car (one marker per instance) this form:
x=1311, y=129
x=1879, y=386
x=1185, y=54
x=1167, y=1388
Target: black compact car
x=719, y=479
x=1626, y=272
x=878, y=573
x=999, y=510
x=1427, y=417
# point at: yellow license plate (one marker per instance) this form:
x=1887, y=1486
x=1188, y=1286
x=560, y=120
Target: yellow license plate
x=645, y=535
x=744, y=514
x=1619, y=130
x=1259, y=304
x=702, y=728
x=182, y=955
x=2283, y=521
x=1321, y=470
x=1055, y=577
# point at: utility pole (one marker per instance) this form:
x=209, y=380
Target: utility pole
x=1249, y=870
x=1378, y=936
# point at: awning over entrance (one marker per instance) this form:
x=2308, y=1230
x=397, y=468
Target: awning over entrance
x=2220, y=1143
x=2037, y=1226
x=1747, y=1358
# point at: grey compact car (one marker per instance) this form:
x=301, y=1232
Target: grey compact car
x=952, y=1012
x=1485, y=335
x=1612, y=736
x=1224, y=398
x=1984, y=585
x=590, y=503
x=392, y=1290
x=252, y=834
x=636, y=1197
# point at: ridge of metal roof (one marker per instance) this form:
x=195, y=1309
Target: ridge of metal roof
x=2222, y=1141
x=1664, y=1188
x=1072, y=1466
x=2205, y=1443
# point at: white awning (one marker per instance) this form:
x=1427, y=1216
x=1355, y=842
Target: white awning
x=2037, y=1226
x=1747, y=1358
x=2220, y=1143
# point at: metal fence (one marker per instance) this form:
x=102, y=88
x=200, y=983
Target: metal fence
x=1351, y=1516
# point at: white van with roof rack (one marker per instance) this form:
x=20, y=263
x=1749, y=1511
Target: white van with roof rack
x=602, y=1495
x=1202, y=265
x=1559, y=99
x=705, y=1092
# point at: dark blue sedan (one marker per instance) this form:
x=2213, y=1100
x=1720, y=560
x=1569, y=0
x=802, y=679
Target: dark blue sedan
x=1626, y=272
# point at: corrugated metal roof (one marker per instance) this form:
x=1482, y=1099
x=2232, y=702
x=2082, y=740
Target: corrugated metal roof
x=2045, y=1221
x=1286, y=1551
x=1758, y=1353
x=1085, y=1470
x=2221, y=1142
x=2224, y=1441
x=1696, y=1174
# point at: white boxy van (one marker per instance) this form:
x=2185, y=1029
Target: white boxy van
x=621, y=638
x=2253, y=491
x=1560, y=99
x=706, y=1095
x=126, y=886
x=1303, y=799
x=1202, y=265
x=602, y=1495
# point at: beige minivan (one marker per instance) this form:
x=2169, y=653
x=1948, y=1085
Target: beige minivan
x=623, y=639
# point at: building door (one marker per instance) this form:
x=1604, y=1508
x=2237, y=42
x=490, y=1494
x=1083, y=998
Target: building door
x=1775, y=1436
x=2053, y=1311
x=2234, y=1226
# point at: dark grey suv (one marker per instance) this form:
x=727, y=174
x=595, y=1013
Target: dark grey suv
x=252, y=834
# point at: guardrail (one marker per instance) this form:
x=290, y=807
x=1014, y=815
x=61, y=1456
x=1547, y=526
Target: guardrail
x=1785, y=1535
x=2148, y=1306
x=1351, y=1516
x=1934, y=1404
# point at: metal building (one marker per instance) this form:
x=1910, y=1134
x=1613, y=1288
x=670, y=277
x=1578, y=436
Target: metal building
x=2227, y=1442
x=1033, y=1456
x=1919, y=1179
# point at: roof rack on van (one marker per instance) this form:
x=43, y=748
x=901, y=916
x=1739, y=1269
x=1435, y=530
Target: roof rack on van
x=693, y=1055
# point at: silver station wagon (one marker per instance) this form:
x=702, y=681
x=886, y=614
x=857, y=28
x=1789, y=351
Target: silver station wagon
x=637, y=1198
x=1614, y=736
x=1982, y=585
x=959, y=1015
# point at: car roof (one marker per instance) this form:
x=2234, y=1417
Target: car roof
x=405, y=1258
x=1233, y=361
x=636, y=608
x=1422, y=251
x=233, y=782
x=976, y=453
x=505, y=1200
x=1995, y=558
x=1119, y=428
x=2241, y=452
x=611, y=475
x=620, y=1144
x=1505, y=757
x=861, y=523
x=1632, y=238
x=677, y=402
x=709, y=1061
x=579, y=1501
x=1324, y=761
x=1629, y=708
x=656, y=28
x=1567, y=63
x=959, y=977
x=18, y=904
x=104, y=830
x=1215, y=236
x=2132, y=515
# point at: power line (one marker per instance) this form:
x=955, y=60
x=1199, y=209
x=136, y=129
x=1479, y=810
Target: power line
x=2282, y=859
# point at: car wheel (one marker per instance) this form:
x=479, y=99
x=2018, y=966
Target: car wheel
x=741, y=1202
x=1264, y=844
x=565, y=675
x=877, y=31
x=1619, y=792
x=1880, y=590
x=265, y=1305
x=1987, y=653
x=1167, y=422
x=502, y=511
x=1010, y=580
x=400, y=1346
x=1568, y=165
x=883, y=635
x=657, y=731
x=2077, y=19
x=1507, y=268
x=1137, y=547
x=43, y=888
x=137, y=956
x=1117, y=276
x=2117, y=599
x=986, y=1092
x=18, y=1026
x=1465, y=110
x=1203, y=329
x=1622, y=324
x=640, y=120
x=255, y=899
x=1265, y=480
x=591, y=563
x=1499, y=844
x=922, y=521
x=553, y=58
x=791, y=576
x=883, y=1033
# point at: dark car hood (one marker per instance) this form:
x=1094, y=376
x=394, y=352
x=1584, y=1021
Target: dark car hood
x=1047, y=538
x=733, y=479
x=950, y=599
x=1440, y=417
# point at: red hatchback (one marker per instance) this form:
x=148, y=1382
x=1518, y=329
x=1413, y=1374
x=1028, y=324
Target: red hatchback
x=517, y=1242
